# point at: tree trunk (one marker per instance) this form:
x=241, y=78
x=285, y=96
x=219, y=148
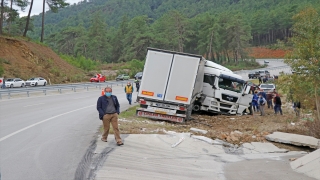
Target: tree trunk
x=28, y=20
x=1, y=16
x=42, y=25
x=210, y=47
x=9, y=23
x=317, y=103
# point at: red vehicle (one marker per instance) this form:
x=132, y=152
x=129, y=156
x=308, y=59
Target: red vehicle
x=98, y=78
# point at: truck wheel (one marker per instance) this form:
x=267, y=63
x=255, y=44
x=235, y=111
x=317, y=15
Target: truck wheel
x=196, y=108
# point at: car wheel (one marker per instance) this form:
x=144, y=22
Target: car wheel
x=11, y=86
x=44, y=84
x=22, y=85
x=36, y=84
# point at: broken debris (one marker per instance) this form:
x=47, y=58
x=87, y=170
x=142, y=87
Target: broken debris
x=198, y=130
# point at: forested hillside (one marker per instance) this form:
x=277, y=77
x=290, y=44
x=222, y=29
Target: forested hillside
x=120, y=30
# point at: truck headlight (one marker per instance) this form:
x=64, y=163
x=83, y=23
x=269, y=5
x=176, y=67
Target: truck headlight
x=214, y=103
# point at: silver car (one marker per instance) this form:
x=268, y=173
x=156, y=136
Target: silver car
x=36, y=81
x=15, y=82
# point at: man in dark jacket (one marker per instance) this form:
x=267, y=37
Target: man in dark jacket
x=269, y=100
x=109, y=108
x=277, y=104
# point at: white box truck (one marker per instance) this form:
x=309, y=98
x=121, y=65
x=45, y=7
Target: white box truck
x=170, y=83
x=174, y=84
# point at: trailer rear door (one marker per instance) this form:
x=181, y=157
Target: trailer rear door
x=155, y=74
x=182, y=79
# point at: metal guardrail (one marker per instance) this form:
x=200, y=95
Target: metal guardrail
x=59, y=88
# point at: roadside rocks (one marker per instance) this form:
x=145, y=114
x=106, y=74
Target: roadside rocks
x=237, y=137
x=198, y=130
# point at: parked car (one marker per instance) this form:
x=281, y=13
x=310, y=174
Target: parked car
x=266, y=62
x=98, y=78
x=267, y=87
x=122, y=77
x=138, y=76
x=264, y=73
x=35, y=81
x=15, y=82
x=254, y=75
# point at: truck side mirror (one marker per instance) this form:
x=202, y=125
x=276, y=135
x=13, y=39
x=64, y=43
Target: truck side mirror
x=214, y=87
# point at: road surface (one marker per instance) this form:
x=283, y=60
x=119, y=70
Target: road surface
x=46, y=137
x=275, y=66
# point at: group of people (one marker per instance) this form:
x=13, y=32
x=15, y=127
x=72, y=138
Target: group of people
x=262, y=99
x=108, y=108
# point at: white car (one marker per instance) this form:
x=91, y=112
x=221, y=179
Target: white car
x=36, y=81
x=267, y=87
x=15, y=82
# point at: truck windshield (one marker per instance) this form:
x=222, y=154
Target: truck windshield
x=231, y=85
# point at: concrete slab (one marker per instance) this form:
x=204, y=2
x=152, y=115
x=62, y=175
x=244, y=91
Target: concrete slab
x=151, y=156
x=262, y=169
x=295, y=139
x=308, y=164
x=198, y=130
x=258, y=147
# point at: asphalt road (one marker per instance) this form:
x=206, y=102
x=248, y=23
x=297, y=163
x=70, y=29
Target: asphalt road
x=273, y=63
x=45, y=137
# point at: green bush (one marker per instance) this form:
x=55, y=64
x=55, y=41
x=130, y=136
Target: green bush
x=81, y=62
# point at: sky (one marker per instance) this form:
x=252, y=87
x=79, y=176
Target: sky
x=37, y=7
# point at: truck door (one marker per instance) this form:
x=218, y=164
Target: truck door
x=209, y=84
x=245, y=99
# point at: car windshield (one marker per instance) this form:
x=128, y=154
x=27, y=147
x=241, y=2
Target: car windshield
x=139, y=73
x=267, y=86
x=230, y=85
x=9, y=79
x=31, y=79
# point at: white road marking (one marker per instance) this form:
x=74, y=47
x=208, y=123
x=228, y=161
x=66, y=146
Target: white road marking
x=33, y=105
x=40, y=122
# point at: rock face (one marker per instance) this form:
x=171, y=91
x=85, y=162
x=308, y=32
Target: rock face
x=295, y=139
x=308, y=164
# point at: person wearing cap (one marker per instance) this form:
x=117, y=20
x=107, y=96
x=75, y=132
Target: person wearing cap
x=109, y=108
x=129, y=90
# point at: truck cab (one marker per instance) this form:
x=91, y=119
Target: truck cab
x=225, y=92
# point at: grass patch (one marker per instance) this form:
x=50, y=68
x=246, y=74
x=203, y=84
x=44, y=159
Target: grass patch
x=129, y=113
x=243, y=65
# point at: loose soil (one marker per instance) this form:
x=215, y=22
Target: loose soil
x=262, y=53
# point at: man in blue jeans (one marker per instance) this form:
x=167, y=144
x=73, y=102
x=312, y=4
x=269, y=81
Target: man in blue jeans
x=129, y=90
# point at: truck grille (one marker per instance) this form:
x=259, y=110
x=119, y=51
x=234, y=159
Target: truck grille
x=225, y=105
x=230, y=98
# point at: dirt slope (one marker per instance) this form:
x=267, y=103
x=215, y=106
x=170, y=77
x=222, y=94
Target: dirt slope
x=25, y=59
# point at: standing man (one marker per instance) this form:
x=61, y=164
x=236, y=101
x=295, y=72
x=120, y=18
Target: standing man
x=260, y=80
x=262, y=102
x=3, y=83
x=277, y=104
x=109, y=108
x=269, y=100
x=137, y=84
x=129, y=90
